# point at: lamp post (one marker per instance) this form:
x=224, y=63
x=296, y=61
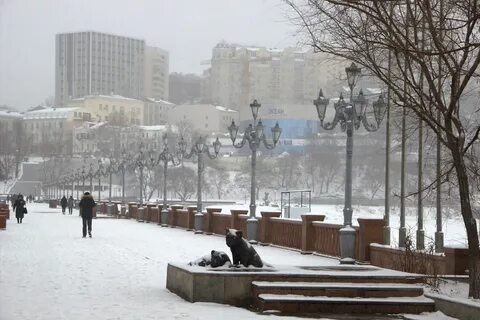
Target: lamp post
x=199, y=148
x=255, y=136
x=350, y=116
x=84, y=176
x=165, y=156
x=141, y=161
x=123, y=167
x=90, y=175
x=100, y=172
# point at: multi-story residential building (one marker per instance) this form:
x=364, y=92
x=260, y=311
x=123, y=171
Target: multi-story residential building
x=49, y=130
x=105, y=140
x=88, y=63
x=156, y=73
x=10, y=131
x=204, y=118
x=115, y=109
x=155, y=112
x=239, y=74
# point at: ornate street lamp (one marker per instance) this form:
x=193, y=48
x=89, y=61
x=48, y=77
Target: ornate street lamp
x=141, y=161
x=166, y=156
x=84, y=176
x=123, y=168
x=199, y=148
x=91, y=173
x=100, y=172
x=350, y=116
x=255, y=136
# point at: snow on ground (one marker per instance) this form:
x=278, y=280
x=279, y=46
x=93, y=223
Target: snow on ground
x=48, y=271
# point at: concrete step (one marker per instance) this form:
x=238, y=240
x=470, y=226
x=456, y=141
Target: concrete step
x=366, y=290
x=299, y=304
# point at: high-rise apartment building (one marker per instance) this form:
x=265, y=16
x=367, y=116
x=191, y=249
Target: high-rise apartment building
x=239, y=74
x=92, y=63
x=156, y=73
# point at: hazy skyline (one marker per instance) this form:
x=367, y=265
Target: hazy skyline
x=188, y=29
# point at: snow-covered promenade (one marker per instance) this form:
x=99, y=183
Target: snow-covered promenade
x=48, y=271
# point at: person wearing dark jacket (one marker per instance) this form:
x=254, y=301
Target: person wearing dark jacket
x=63, y=203
x=19, y=208
x=86, y=205
x=70, y=204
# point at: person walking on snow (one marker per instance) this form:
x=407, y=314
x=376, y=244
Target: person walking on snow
x=70, y=205
x=86, y=205
x=63, y=203
x=19, y=208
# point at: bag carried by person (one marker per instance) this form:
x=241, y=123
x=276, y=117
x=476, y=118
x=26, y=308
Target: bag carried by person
x=25, y=211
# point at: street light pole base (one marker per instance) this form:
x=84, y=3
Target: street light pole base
x=252, y=227
x=347, y=261
x=347, y=244
x=198, y=223
x=164, y=218
x=141, y=212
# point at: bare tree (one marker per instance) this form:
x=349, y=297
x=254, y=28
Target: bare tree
x=428, y=79
x=216, y=175
x=183, y=182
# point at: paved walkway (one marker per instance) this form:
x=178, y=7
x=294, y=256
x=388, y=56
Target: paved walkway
x=48, y=271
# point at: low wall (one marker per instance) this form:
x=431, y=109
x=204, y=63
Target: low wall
x=308, y=235
x=454, y=261
x=458, y=308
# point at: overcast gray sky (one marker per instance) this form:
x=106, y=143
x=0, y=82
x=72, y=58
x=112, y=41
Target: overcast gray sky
x=188, y=29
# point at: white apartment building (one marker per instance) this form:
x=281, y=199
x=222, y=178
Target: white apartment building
x=239, y=74
x=156, y=73
x=49, y=130
x=89, y=63
x=10, y=131
x=204, y=118
x=155, y=111
x=115, y=109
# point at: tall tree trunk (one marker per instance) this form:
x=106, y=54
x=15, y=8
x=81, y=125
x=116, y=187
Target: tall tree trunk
x=470, y=224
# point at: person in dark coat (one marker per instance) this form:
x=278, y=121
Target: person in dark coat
x=63, y=203
x=86, y=205
x=19, y=208
x=70, y=204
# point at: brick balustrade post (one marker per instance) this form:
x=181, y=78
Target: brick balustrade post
x=456, y=260
x=307, y=230
x=191, y=217
x=173, y=215
x=370, y=231
x=264, y=225
x=235, y=213
x=208, y=222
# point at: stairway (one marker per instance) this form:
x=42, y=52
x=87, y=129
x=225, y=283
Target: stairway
x=340, y=298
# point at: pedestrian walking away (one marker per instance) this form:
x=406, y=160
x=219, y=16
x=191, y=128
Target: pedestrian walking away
x=86, y=205
x=70, y=204
x=64, y=203
x=19, y=208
